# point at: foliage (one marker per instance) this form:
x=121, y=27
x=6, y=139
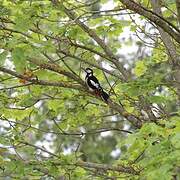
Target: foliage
x=52, y=126
x=156, y=149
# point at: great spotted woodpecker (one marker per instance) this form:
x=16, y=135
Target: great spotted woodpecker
x=94, y=85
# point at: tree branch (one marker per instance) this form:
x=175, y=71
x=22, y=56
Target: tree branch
x=42, y=82
x=131, y=118
x=66, y=133
x=170, y=47
x=178, y=10
x=91, y=64
x=56, y=68
x=105, y=167
x=96, y=38
x=158, y=20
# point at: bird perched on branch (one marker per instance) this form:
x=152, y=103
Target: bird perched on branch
x=94, y=85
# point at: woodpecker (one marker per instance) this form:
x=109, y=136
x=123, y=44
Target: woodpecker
x=94, y=85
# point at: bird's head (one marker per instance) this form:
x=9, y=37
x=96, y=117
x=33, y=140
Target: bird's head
x=89, y=71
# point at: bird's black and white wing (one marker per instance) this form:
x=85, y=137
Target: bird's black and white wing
x=95, y=84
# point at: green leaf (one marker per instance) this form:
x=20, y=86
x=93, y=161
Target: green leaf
x=128, y=106
x=140, y=68
x=176, y=140
x=3, y=56
x=4, y=10
x=16, y=114
x=159, y=56
x=27, y=100
x=19, y=59
x=22, y=22
x=55, y=105
x=158, y=99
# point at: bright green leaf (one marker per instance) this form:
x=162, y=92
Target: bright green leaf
x=140, y=68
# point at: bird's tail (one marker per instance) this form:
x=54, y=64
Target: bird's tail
x=104, y=95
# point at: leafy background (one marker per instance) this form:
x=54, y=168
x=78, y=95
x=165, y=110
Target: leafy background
x=52, y=126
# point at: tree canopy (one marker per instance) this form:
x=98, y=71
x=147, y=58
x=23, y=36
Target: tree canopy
x=52, y=126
